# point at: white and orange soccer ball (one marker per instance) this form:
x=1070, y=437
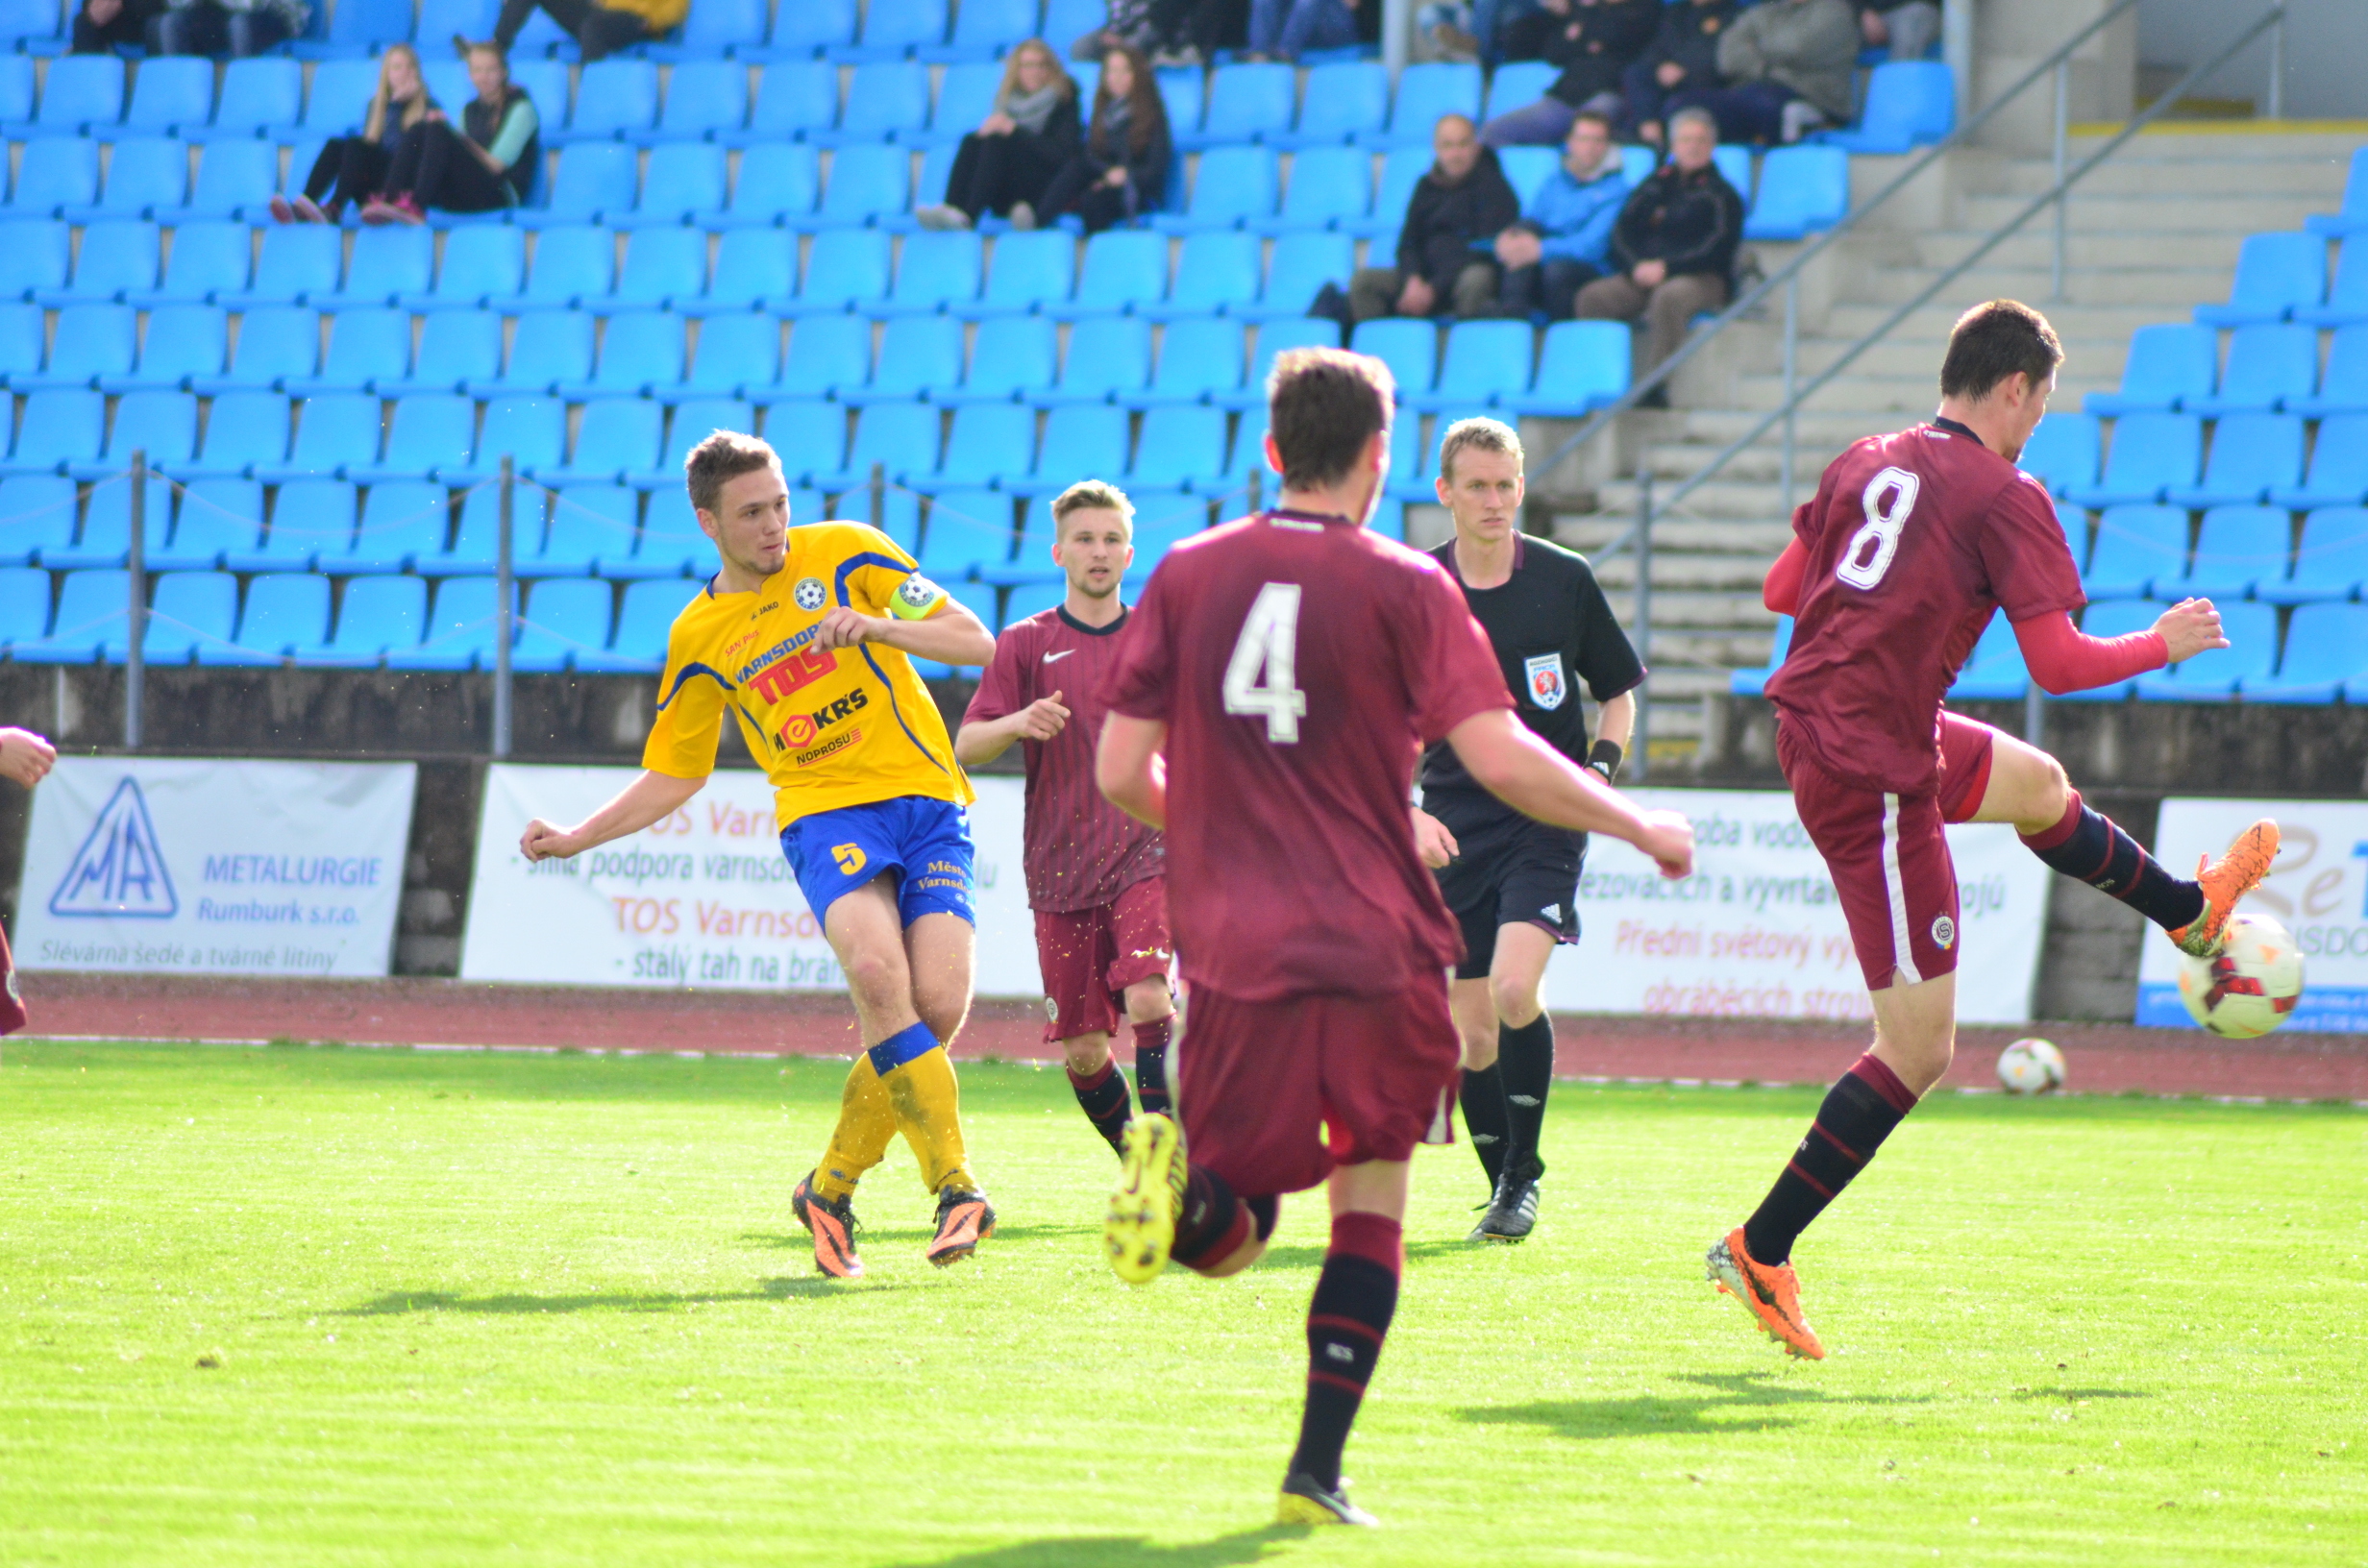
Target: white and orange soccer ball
x=2252, y=986
x=2030, y=1066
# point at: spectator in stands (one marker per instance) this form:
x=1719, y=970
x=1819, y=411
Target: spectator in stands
x=234, y=27
x=1168, y=32
x=1788, y=65
x=1684, y=55
x=1472, y=29
x=598, y=27
x=1595, y=41
x=1446, y=246
x=1563, y=240
x=355, y=168
x=488, y=163
x=102, y=25
x=1905, y=26
x=1004, y=166
x=1122, y=169
x=1287, y=29
x=1674, y=243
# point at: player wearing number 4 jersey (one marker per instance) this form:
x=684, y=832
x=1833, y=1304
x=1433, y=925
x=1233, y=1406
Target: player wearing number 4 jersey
x=1913, y=540
x=1290, y=666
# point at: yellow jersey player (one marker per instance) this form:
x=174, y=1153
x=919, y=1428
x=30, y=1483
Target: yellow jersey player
x=806, y=636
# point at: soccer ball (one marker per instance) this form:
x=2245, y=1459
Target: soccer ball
x=2252, y=986
x=2030, y=1066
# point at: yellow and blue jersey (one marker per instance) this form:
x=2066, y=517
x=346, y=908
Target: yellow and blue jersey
x=833, y=727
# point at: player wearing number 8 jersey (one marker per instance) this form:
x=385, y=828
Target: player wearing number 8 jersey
x=1913, y=542
x=1291, y=665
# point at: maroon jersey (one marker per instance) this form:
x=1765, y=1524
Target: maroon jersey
x=1300, y=664
x=1913, y=540
x=1081, y=851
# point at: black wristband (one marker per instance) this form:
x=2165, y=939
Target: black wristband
x=1605, y=757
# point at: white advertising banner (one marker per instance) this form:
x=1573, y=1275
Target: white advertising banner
x=1757, y=931
x=215, y=866
x=2318, y=890
x=702, y=898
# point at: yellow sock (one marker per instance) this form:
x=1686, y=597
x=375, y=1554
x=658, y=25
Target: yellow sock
x=928, y=1111
x=867, y=1120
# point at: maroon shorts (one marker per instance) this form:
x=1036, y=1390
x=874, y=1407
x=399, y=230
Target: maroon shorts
x=1887, y=853
x=1089, y=956
x=12, y=1002
x=1275, y=1094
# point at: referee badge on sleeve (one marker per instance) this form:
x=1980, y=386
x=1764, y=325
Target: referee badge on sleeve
x=1544, y=674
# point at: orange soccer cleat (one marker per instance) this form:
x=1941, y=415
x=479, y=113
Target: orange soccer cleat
x=1772, y=1292
x=2225, y=881
x=833, y=1225
x=964, y=1219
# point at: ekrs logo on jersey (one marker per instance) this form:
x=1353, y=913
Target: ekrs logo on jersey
x=810, y=594
x=1544, y=674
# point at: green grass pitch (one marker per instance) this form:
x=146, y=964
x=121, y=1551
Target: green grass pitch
x=479, y=1309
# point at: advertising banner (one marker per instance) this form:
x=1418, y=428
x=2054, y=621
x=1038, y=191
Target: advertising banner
x=202, y=867
x=2318, y=890
x=1756, y=932
x=702, y=898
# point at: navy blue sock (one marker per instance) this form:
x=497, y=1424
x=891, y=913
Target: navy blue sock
x=2087, y=846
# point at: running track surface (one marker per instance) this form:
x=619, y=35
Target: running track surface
x=2106, y=1059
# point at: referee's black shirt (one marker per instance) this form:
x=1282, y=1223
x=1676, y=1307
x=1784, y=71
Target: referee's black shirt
x=1549, y=624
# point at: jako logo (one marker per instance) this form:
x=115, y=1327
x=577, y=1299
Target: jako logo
x=119, y=871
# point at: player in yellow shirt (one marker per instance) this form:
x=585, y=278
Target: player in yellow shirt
x=806, y=636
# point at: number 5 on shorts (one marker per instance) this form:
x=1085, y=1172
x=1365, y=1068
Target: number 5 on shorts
x=1882, y=528
x=1261, y=678
x=850, y=856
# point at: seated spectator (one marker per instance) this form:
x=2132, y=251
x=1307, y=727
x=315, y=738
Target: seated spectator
x=1593, y=41
x=1788, y=65
x=355, y=168
x=103, y=25
x=1004, y=165
x=233, y=27
x=1472, y=29
x=1286, y=29
x=1674, y=244
x=1563, y=241
x=1446, y=258
x=598, y=27
x=1189, y=31
x=485, y=165
x=1683, y=56
x=1905, y=26
x=1122, y=170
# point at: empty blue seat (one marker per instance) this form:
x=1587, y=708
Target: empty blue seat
x=93, y=609
x=776, y=183
x=893, y=28
x=1583, y=367
x=1029, y=270
x=2343, y=387
x=118, y=258
x=1182, y=89
x=869, y=180
x=595, y=177
x=809, y=434
x=1527, y=170
x=1484, y=358
x=1345, y=99
x=884, y=99
x=1163, y=519
x=918, y=356
x=844, y=268
x=276, y=344
x=1125, y=269
x=33, y=257
x=1330, y=187
x=704, y=96
x=1234, y=185
x=2216, y=674
x=379, y=613
x=217, y=517
x=24, y=604
x=22, y=337
x=564, y=620
x=935, y=270
x=56, y=427
x=984, y=29
x=1109, y=357
x=1013, y=357
x=2353, y=218
x=614, y=434
x=1400, y=172
x=828, y=354
x=1081, y=441
x=1245, y=462
x=455, y=347
x=1302, y=264
x=30, y=25
x=1183, y=448
x=574, y=266
x=795, y=99
x=107, y=525
x=2325, y=647
x=2064, y=450
x=358, y=27
x=36, y=518
x=2347, y=297
x=477, y=543
x=82, y=94
x=386, y=262
x=1802, y=190
x=333, y=430
x=309, y=518
x=530, y=430
x=684, y=179
x=587, y=522
x=161, y=425
x=2138, y=546
x=338, y=97
x=754, y=268
x=2152, y=453
x=661, y=265
x=482, y=263
x=2236, y=549
x=1425, y=92
x=258, y=95
x=1516, y=84
x=550, y=348
x=146, y=175
x=672, y=546
x=243, y=428
x=1908, y=103
x=364, y=346
x=462, y=618
x=615, y=98
x=900, y=437
x=2276, y=275
x=985, y=439
x=432, y=435
x=2251, y=455
x=733, y=354
x=2267, y=365
x=235, y=179
x=55, y=174
x=2166, y=365
x=299, y=261
x=1216, y=271
x=208, y=263
x=640, y=351
x=643, y=621
x=403, y=521
x=1409, y=348
x=965, y=96
x=1248, y=103
x=2338, y=467
x=2330, y=562
x=1994, y=671
x=969, y=531
x=1201, y=357
x=189, y=611
x=171, y=94
x=93, y=341
x=184, y=342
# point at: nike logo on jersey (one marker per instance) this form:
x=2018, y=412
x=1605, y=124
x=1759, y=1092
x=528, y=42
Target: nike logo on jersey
x=1050, y=658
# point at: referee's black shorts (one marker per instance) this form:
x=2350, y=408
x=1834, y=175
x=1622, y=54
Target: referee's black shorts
x=1509, y=869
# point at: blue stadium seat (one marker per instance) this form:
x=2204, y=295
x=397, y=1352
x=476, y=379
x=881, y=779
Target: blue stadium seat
x=56, y=427
x=2151, y=453
x=333, y=430
x=704, y=97
x=902, y=437
x=258, y=96
x=2330, y=563
x=2064, y=450
x=1109, y=359
x=190, y=610
x=1515, y=83
x=92, y=610
x=595, y=178
x=984, y=29
x=648, y=614
x=2338, y=467
x=403, y=521
x=885, y=100
x=754, y=268
x=1182, y=88
x=1425, y=92
x=550, y=347
x=209, y=263
x=93, y=341
x=1409, y=348
x=2347, y=297
x=671, y=545
x=777, y=183
x=2215, y=674
x=661, y=265
x=685, y=178
x=530, y=430
x=1217, y=273
x=1246, y=103
x=1183, y=448
x=299, y=261
x=2267, y=365
x=587, y=522
x=358, y=27
x=146, y=175
x=616, y=434
x=309, y=518
x=1233, y=187
x=869, y=180
x=364, y=346
x=2353, y=218
x=1802, y=190
x=337, y=100
x=1200, y=358
x=2276, y=275
x=217, y=517
x=1482, y=358
x=714, y=30
x=23, y=331
x=482, y=263
x=2138, y=546
x=1583, y=367
x=82, y=94
x=183, y=342
x=1029, y=270
x=234, y=179
x=243, y=428
x=794, y=100
x=641, y=352
x=33, y=257
x=965, y=96
x=935, y=271
x=1345, y=99
x=2325, y=647
x=163, y=425
x=460, y=629
x=1163, y=519
x=1330, y=187
x=1908, y=103
x=809, y=434
x=432, y=435
x=614, y=99
x=1302, y=264
x=844, y=268
x=2251, y=455
x=937, y=159
x=969, y=535
x=53, y=175
x=36, y=518
x=986, y=436
x=1994, y=671
x=574, y=266
x=30, y=26
x=918, y=354
x=1081, y=441
x=24, y=605
x=2236, y=549
x=1733, y=161
x=1125, y=269
x=107, y=527
x=477, y=543
x=1245, y=460
x=2167, y=364
x=733, y=354
x=564, y=620
x=379, y=614
x=171, y=94
x=1527, y=170
x=828, y=354
x=893, y=28
x=118, y=258
x=1400, y=172
x=1013, y=357
x=2343, y=386
x=386, y=262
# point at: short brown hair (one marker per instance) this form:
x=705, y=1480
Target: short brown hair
x=1480, y=434
x=718, y=460
x=1093, y=495
x=1995, y=341
x=1585, y=115
x=1323, y=406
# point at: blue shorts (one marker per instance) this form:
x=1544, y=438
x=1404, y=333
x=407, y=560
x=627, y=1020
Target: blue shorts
x=928, y=841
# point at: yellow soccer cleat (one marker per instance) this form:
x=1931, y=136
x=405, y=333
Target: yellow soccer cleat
x=2225, y=881
x=1140, y=1227
x=1772, y=1292
x=1307, y=1501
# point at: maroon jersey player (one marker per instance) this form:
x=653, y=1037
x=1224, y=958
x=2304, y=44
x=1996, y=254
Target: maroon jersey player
x=1913, y=542
x=1093, y=873
x=1281, y=677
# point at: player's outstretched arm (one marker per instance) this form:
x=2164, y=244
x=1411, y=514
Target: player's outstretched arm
x=1535, y=780
x=980, y=741
x=2063, y=658
x=953, y=635
x=650, y=798
x=1129, y=769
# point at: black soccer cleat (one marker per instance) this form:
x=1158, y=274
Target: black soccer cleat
x=833, y=1225
x=1307, y=1501
x=1514, y=1214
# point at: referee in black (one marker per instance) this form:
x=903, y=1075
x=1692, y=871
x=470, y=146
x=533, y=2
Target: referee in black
x=1511, y=882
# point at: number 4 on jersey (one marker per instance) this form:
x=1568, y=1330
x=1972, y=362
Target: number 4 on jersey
x=1261, y=678
x=1882, y=528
